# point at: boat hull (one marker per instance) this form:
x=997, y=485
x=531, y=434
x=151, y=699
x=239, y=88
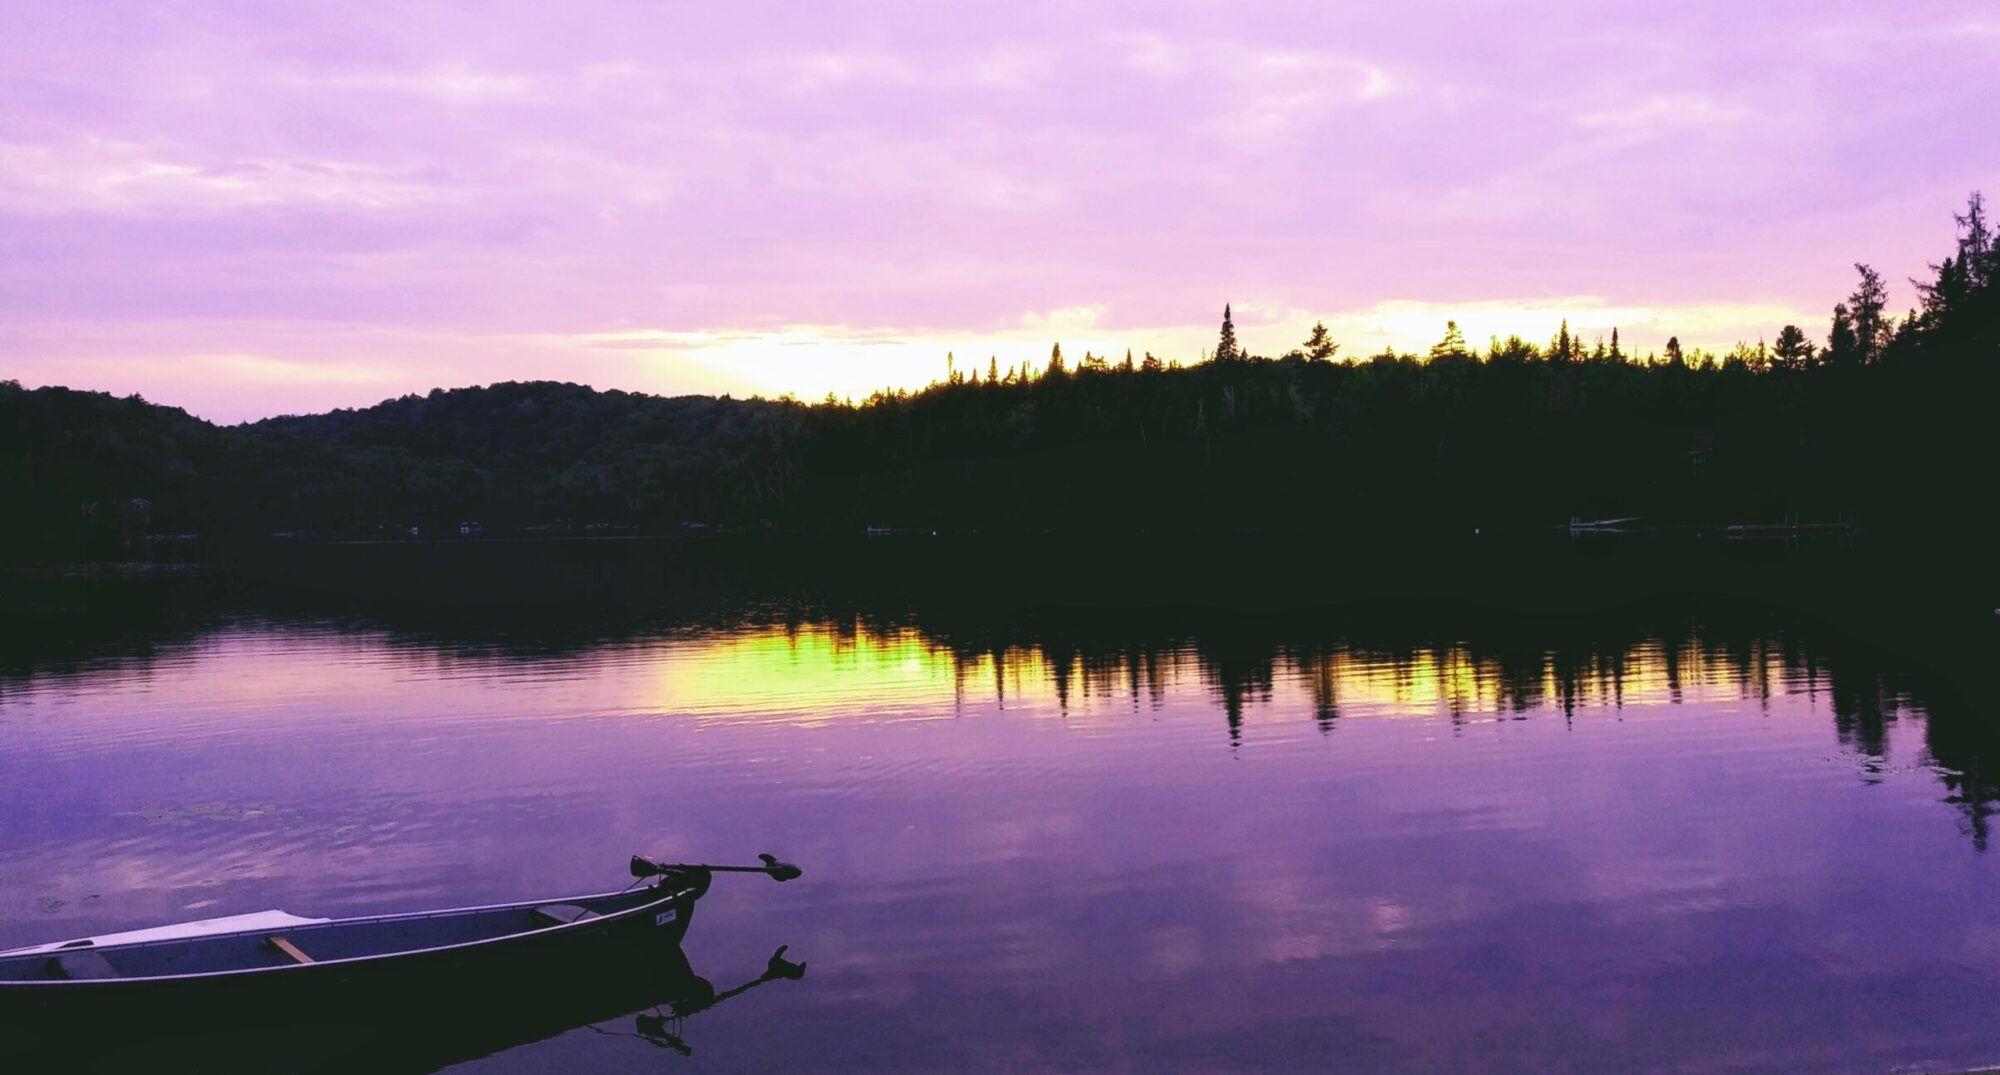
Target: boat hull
x=360, y=989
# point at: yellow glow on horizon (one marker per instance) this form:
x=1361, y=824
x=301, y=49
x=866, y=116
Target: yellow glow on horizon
x=266, y=368
x=811, y=361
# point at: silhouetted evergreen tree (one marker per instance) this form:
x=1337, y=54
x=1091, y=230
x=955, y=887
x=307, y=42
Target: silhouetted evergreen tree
x=1452, y=347
x=1319, y=345
x=1511, y=351
x=1226, y=348
x=1562, y=349
x=1959, y=321
x=1745, y=357
x=1871, y=329
x=1843, y=344
x=1792, y=351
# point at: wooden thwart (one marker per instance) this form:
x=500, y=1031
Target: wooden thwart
x=81, y=965
x=562, y=914
x=288, y=948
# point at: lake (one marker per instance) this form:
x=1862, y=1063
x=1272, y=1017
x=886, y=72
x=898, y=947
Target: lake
x=1066, y=839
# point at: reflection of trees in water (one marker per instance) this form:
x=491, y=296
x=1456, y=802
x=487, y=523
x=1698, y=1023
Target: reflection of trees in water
x=1966, y=744
x=1867, y=683
x=1865, y=687
x=1322, y=678
x=1240, y=672
x=1961, y=725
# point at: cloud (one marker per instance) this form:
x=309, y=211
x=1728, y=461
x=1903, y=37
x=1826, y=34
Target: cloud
x=99, y=175
x=473, y=189
x=451, y=84
x=1660, y=115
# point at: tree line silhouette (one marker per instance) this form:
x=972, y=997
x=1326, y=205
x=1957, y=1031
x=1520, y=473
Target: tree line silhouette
x=1883, y=425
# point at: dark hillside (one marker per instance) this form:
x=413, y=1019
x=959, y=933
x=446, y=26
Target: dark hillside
x=537, y=453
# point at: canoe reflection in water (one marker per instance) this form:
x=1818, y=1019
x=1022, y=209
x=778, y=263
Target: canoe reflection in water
x=646, y=992
x=616, y=967
x=663, y=1028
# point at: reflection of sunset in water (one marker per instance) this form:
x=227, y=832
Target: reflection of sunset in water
x=819, y=671
x=814, y=672
x=1033, y=835
x=803, y=674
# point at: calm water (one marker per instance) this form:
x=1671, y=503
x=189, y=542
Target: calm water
x=1228, y=845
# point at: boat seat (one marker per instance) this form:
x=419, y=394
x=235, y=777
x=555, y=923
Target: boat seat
x=287, y=947
x=81, y=964
x=562, y=914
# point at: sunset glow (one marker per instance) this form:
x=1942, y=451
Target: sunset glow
x=246, y=212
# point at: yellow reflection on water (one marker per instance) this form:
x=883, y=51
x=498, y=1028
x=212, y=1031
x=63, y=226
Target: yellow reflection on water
x=804, y=673
x=815, y=672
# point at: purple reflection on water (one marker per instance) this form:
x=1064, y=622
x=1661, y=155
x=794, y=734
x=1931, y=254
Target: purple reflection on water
x=1662, y=855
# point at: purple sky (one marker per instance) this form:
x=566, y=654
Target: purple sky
x=245, y=211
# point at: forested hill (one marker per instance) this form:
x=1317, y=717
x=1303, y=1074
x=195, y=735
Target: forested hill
x=1888, y=427
x=546, y=453
x=1382, y=445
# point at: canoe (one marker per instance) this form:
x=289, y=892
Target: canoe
x=640, y=992
x=392, y=993
x=261, y=971
x=270, y=965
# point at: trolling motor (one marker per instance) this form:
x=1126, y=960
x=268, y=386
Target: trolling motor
x=643, y=867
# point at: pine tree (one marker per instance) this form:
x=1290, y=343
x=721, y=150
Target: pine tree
x=1226, y=349
x=1319, y=345
x=993, y=369
x=1513, y=349
x=1562, y=349
x=1792, y=351
x=1871, y=329
x=1128, y=360
x=1616, y=354
x=1674, y=356
x=1843, y=347
x=1452, y=346
x=1976, y=248
x=1151, y=364
x=1961, y=306
x=1745, y=357
x=1055, y=369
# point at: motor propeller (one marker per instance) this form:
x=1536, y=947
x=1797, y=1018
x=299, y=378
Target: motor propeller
x=779, y=871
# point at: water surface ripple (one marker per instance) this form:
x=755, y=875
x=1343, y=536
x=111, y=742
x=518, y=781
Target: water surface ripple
x=1211, y=852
